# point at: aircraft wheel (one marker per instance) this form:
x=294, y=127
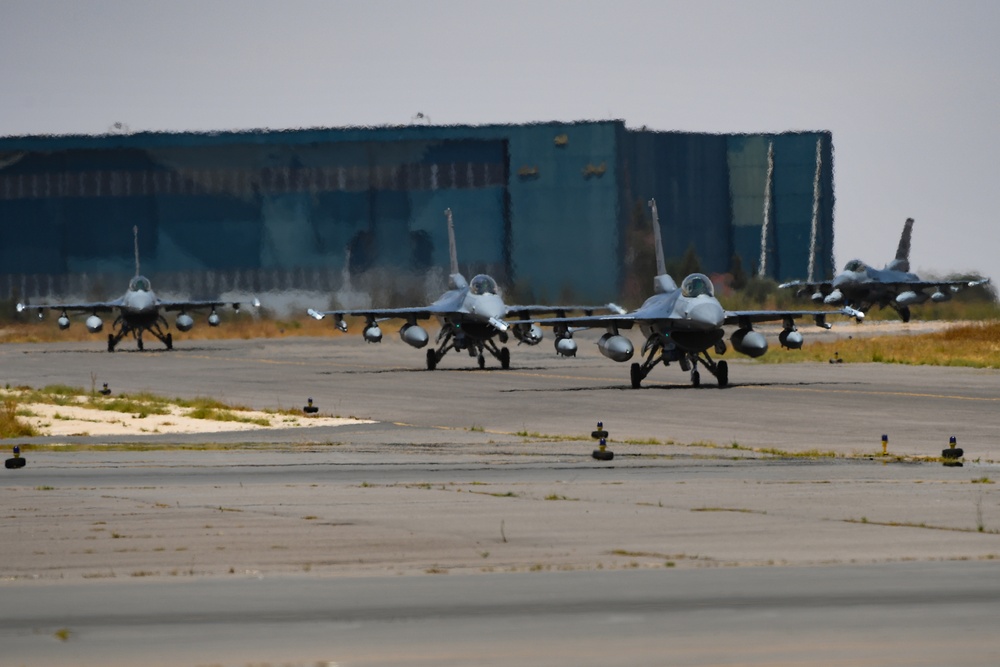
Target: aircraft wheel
x=636, y=372
x=722, y=373
x=481, y=360
x=432, y=360
x=904, y=313
x=695, y=379
x=139, y=341
x=111, y=342
x=504, y=358
x=170, y=341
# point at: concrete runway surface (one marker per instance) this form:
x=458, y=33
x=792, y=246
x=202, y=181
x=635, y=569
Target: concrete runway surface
x=469, y=524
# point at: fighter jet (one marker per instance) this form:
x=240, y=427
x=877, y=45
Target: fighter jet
x=861, y=286
x=472, y=314
x=682, y=324
x=138, y=311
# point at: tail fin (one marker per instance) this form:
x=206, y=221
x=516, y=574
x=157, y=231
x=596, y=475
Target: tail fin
x=135, y=239
x=662, y=283
x=457, y=279
x=902, y=261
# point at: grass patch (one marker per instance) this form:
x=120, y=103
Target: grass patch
x=11, y=425
x=975, y=345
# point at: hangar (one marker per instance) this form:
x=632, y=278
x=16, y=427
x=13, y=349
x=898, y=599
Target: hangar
x=553, y=210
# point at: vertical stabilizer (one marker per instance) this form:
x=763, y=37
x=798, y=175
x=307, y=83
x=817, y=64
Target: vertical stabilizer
x=902, y=261
x=661, y=265
x=662, y=283
x=457, y=279
x=135, y=243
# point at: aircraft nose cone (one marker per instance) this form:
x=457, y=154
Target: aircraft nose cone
x=489, y=306
x=707, y=315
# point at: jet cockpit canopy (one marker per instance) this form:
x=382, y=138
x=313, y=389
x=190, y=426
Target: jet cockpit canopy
x=483, y=284
x=139, y=284
x=855, y=265
x=697, y=284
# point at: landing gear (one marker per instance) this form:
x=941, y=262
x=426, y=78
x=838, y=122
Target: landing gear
x=138, y=341
x=111, y=342
x=169, y=340
x=637, y=375
x=722, y=374
x=904, y=312
x=459, y=339
x=660, y=349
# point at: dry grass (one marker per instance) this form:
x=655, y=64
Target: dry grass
x=11, y=426
x=974, y=345
x=233, y=327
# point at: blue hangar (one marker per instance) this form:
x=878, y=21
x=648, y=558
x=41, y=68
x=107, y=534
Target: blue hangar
x=553, y=210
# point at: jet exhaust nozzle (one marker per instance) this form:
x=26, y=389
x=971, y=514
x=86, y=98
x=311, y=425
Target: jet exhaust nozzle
x=184, y=322
x=615, y=347
x=413, y=335
x=94, y=324
x=749, y=342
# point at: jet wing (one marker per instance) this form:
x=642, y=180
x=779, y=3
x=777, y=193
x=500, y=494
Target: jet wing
x=745, y=318
x=524, y=313
x=92, y=307
x=802, y=287
x=199, y=305
x=917, y=285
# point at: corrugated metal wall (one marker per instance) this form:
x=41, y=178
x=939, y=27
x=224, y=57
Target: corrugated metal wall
x=542, y=207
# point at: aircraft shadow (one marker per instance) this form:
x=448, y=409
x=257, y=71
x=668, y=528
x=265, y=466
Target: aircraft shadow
x=683, y=387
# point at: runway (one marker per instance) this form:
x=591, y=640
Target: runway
x=470, y=525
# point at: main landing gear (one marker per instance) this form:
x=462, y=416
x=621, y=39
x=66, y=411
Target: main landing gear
x=124, y=330
x=449, y=341
x=658, y=353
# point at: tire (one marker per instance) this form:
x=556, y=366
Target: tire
x=722, y=373
x=111, y=342
x=170, y=341
x=952, y=453
x=16, y=462
x=904, y=312
x=504, y=358
x=695, y=379
x=432, y=360
x=636, y=373
x=139, y=343
x=605, y=455
x=481, y=360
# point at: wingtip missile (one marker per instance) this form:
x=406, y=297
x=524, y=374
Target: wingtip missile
x=316, y=315
x=853, y=312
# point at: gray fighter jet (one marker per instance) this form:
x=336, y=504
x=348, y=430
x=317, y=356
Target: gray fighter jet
x=472, y=314
x=683, y=324
x=138, y=311
x=861, y=286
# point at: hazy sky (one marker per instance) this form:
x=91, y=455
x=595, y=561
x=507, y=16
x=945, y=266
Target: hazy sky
x=908, y=88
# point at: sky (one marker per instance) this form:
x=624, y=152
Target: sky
x=909, y=88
